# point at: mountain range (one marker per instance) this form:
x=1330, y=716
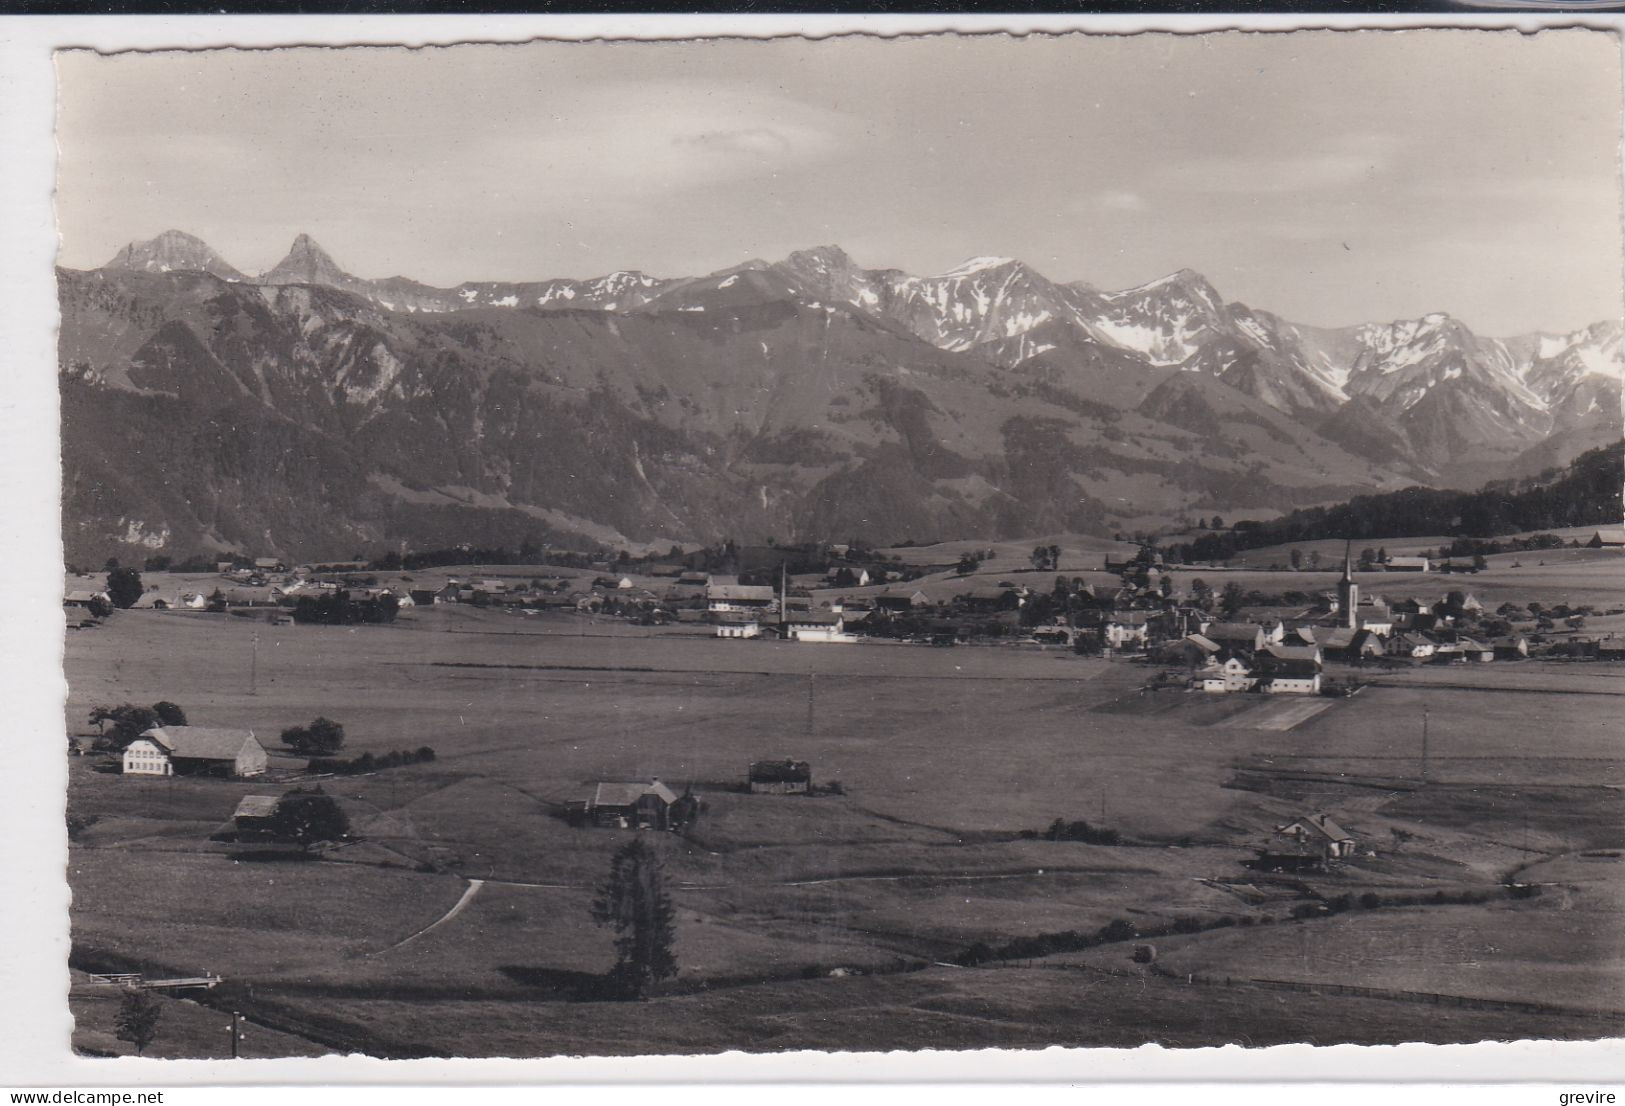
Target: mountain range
x=310, y=412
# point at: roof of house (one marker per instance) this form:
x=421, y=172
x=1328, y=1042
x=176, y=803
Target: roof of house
x=736, y=618
x=1309, y=653
x=812, y=618
x=626, y=794
x=1322, y=824
x=780, y=771
x=201, y=742
x=1611, y=537
x=256, y=806
x=1291, y=668
x=84, y=596
x=1233, y=631
x=1407, y=562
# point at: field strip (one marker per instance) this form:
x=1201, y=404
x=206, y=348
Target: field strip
x=474, y=886
x=1275, y=716
x=1428, y=685
x=1067, y=678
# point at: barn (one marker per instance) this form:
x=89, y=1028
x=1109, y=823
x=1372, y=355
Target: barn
x=632, y=805
x=780, y=777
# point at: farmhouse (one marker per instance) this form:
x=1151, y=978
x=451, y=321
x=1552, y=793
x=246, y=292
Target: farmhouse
x=269, y=564
x=990, y=599
x=632, y=805
x=1309, y=653
x=1406, y=564
x=86, y=599
x=1124, y=630
x=1228, y=671
x=195, y=750
x=737, y=624
x=1247, y=636
x=744, y=598
x=1192, y=651
x=1514, y=647
x=1607, y=539
x=1287, y=677
x=1318, y=834
x=899, y=601
x=780, y=777
x=1411, y=645
x=1345, y=644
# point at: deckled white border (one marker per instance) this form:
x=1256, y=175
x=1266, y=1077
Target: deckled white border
x=34, y=1025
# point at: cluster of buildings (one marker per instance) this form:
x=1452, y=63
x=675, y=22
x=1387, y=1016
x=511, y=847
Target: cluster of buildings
x=1277, y=654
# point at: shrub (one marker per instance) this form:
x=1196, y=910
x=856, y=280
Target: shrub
x=1118, y=929
x=1370, y=900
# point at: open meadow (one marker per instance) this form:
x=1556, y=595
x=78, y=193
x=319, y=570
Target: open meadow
x=459, y=921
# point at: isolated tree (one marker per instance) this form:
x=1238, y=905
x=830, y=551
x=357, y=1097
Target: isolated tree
x=968, y=563
x=129, y=722
x=1218, y=523
x=1314, y=558
x=1480, y=563
x=635, y=904
x=124, y=587
x=137, y=1019
x=322, y=737
x=1231, y=599
x=169, y=714
x=1040, y=557
x=306, y=817
x=1202, y=594
x=1297, y=559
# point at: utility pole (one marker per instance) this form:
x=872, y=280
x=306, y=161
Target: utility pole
x=236, y=1029
x=254, y=665
x=811, y=677
x=1424, y=745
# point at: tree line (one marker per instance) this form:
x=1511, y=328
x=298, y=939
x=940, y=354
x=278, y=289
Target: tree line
x=1585, y=493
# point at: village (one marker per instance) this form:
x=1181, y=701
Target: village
x=1315, y=748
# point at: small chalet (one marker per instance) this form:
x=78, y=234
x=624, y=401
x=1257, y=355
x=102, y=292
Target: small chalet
x=269, y=564
x=254, y=816
x=1607, y=539
x=85, y=598
x=632, y=805
x=1317, y=833
x=780, y=777
x=195, y=751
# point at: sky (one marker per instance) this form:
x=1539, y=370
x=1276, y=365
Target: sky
x=1330, y=177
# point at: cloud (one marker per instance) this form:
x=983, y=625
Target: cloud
x=1346, y=162
x=757, y=141
x=1121, y=201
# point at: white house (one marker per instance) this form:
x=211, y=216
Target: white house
x=812, y=626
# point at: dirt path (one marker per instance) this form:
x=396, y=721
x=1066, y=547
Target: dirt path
x=457, y=908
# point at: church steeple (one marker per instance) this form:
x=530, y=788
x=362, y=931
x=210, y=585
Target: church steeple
x=1348, y=592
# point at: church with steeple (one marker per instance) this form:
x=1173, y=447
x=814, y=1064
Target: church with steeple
x=1348, y=592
